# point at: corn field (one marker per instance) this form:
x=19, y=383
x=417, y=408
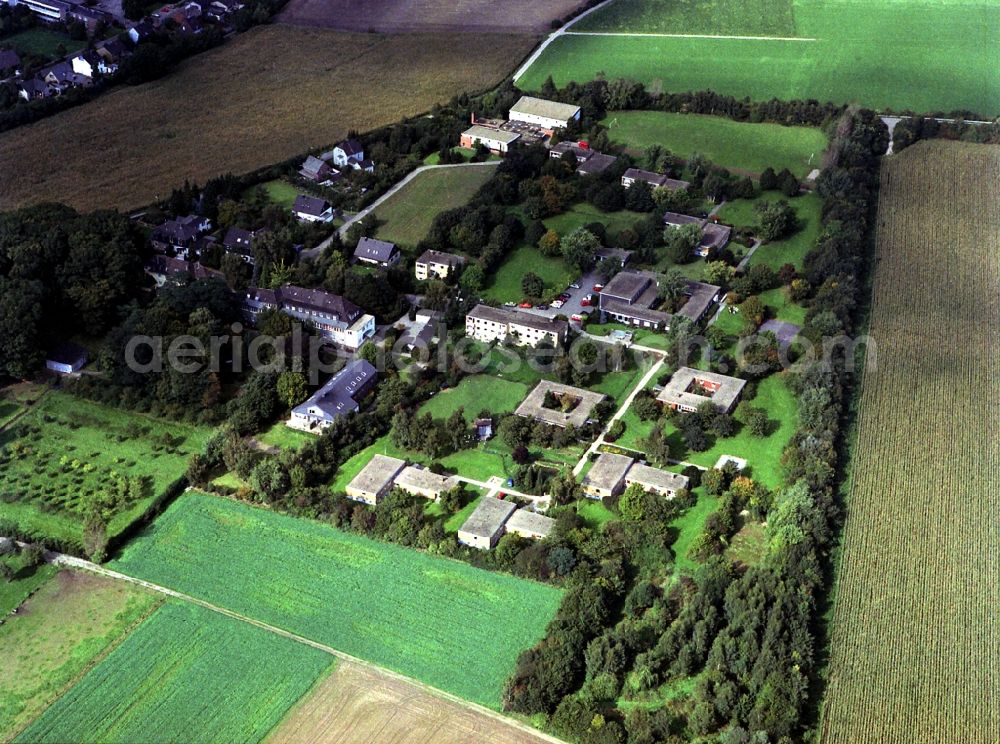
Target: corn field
x=915, y=651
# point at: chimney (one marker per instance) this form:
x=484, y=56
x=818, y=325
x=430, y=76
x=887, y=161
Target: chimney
x=473, y=117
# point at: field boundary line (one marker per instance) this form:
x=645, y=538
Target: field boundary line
x=70, y=561
x=519, y=73
x=723, y=37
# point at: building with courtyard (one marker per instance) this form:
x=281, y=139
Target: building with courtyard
x=633, y=298
x=559, y=405
x=689, y=388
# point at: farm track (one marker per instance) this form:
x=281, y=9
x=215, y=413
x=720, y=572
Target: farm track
x=80, y=564
x=916, y=636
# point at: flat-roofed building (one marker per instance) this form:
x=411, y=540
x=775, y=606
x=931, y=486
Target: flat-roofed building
x=437, y=263
x=495, y=140
x=488, y=324
x=606, y=477
x=583, y=403
x=689, y=388
x=375, y=479
x=659, y=481
x=529, y=524
x=422, y=482
x=655, y=180
x=549, y=115
x=485, y=525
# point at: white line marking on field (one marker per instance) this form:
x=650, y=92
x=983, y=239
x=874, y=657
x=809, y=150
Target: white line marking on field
x=552, y=37
x=689, y=36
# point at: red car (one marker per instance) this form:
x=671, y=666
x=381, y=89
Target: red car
x=524, y=305
x=598, y=287
x=587, y=301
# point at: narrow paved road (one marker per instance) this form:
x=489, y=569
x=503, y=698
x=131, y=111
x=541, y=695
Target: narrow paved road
x=342, y=230
x=60, y=559
x=650, y=373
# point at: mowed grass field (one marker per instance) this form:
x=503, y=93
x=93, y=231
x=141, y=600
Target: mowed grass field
x=442, y=622
x=186, y=674
x=474, y=394
x=792, y=249
x=66, y=451
x=740, y=146
x=71, y=620
x=922, y=55
x=266, y=95
x=409, y=212
x=914, y=651
x=359, y=704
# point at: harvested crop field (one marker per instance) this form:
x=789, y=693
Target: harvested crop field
x=267, y=95
x=456, y=16
x=358, y=703
x=915, y=655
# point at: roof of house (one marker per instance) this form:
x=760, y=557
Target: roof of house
x=377, y=474
x=654, y=478
x=714, y=236
x=525, y=520
x=700, y=298
x=676, y=218
x=676, y=391
x=533, y=406
x=528, y=320
x=114, y=46
x=179, y=231
x=638, y=311
x=478, y=131
x=621, y=254
x=540, y=107
x=608, y=471
x=627, y=286
x=351, y=147
x=238, y=240
x=9, y=58
x=313, y=166
x=66, y=352
x=488, y=518
x=423, y=479
x=375, y=250
x=167, y=265
x=308, y=300
x=596, y=163
x=440, y=257
x=337, y=396
x=310, y=205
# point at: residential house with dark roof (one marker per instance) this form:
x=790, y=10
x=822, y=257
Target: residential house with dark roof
x=655, y=180
x=351, y=154
x=336, y=319
x=340, y=396
x=589, y=162
x=110, y=54
x=179, y=235
x=437, y=263
x=142, y=31
x=315, y=170
x=312, y=209
x=239, y=242
x=714, y=237
x=377, y=252
x=167, y=269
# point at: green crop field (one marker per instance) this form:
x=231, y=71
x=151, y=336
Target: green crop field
x=409, y=212
x=185, y=664
x=740, y=146
x=67, y=450
x=443, y=622
x=70, y=621
x=474, y=394
x=901, y=54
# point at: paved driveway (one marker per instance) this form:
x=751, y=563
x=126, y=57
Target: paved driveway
x=572, y=306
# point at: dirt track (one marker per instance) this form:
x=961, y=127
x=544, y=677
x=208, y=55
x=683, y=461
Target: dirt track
x=457, y=16
x=355, y=704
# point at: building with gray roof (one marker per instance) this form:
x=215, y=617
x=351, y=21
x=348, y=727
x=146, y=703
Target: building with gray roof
x=338, y=397
x=689, y=388
x=655, y=180
x=378, y=252
x=546, y=114
x=375, y=479
x=485, y=525
x=422, y=482
x=534, y=407
x=488, y=324
x=606, y=476
x=529, y=524
x=659, y=481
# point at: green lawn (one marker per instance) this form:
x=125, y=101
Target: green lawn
x=25, y=581
x=792, y=249
x=409, y=212
x=71, y=621
x=474, y=394
x=43, y=41
x=285, y=437
x=505, y=284
x=736, y=145
x=689, y=525
x=8, y=410
x=594, y=513
x=583, y=213
x=67, y=451
x=901, y=54
x=281, y=192
x=443, y=622
x=782, y=307
x=185, y=664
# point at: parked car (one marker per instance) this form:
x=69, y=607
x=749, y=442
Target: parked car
x=565, y=296
x=558, y=304
x=524, y=305
x=510, y=304
x=598, y=287
x=587, y=301
x=541, y=307
x=574, y=285
x=576, y=318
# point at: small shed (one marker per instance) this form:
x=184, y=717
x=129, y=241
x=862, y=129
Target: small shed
x=66, y=358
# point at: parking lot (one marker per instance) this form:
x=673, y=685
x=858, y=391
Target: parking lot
x=572, y=306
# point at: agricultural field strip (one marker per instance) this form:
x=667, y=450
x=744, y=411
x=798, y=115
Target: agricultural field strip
x=690, y=36
x=69, y=561
x=533, y=57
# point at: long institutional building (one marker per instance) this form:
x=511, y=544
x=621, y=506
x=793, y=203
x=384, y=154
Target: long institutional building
x=488, y=324
x=335, y=318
